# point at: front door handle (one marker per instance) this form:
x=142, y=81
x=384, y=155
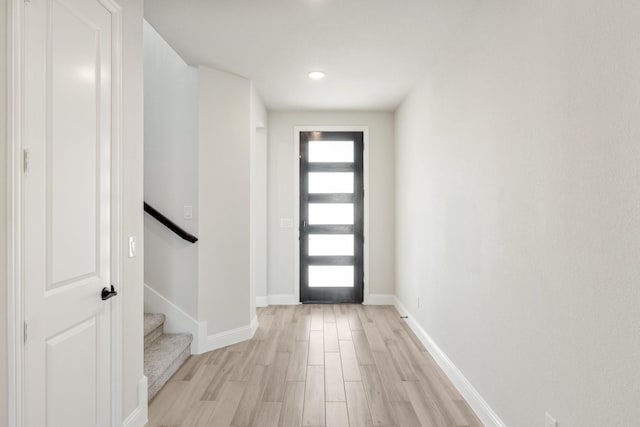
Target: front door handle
x=108, y=293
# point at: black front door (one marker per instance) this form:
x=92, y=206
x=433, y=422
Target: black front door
x=331, y=217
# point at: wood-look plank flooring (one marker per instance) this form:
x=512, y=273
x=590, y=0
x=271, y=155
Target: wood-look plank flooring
x=315, y=365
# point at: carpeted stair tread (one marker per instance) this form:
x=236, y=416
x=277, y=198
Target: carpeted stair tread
x=153, y=327
x=163, y=358
x=152, y=321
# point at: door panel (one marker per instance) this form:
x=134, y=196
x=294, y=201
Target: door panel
x=71, y=205
x=66, y=196
x=73, y=379
x=331, y=217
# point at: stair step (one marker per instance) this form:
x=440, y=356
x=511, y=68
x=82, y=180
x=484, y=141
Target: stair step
x=153, y=324
x=163, y=358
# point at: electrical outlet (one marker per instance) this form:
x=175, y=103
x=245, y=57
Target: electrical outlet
x=549, y=421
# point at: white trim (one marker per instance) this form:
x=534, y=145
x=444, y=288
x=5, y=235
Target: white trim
x=223, y=339
x=480, y=406
x=139, y=416
x=116, y=212
x=176, y=319
x=296, y=198
x=14, y=214
x=284, y=299
x=380, y=299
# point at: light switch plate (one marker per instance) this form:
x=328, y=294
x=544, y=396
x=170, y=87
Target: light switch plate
x=132, y=246
x=187, y=212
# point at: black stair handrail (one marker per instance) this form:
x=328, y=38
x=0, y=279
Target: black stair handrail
x=169, y=224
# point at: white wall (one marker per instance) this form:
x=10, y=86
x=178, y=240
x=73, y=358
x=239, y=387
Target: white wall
x=170, y=170
x=281, y=280
x=3, y=219
x=204, y=147
x=224, y=199
x=258, y=190
x=518, y=222
x=132, y=191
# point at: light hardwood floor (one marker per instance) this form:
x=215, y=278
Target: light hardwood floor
x=315, y=365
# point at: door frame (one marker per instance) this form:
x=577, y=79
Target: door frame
x=296, y=200
x=15, y=289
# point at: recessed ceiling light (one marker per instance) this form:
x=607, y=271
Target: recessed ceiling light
x=316, y=75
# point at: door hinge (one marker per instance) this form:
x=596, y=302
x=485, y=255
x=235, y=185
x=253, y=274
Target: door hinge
x=26, y=332
x=25, y=160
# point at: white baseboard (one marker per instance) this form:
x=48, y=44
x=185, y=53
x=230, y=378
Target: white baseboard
x=223, y=339
x=139, y=416
x=480, y=406
x=254, y=325
x=286, y=299
x=176, y=320
x=379, y=299
x=283, y=300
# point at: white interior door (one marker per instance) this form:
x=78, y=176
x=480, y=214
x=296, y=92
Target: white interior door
x=66, y=196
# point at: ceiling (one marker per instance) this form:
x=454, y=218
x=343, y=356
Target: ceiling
x=373, y=51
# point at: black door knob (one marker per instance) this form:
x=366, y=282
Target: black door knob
x=108, y=293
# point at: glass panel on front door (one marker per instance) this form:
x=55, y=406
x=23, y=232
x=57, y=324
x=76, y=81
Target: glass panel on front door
x=331, y=217
x=330, y=244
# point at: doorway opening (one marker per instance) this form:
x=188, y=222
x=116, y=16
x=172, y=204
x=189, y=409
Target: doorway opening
x=331, y=216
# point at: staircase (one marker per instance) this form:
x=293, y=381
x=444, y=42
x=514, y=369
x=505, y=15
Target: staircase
x=163, y=353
